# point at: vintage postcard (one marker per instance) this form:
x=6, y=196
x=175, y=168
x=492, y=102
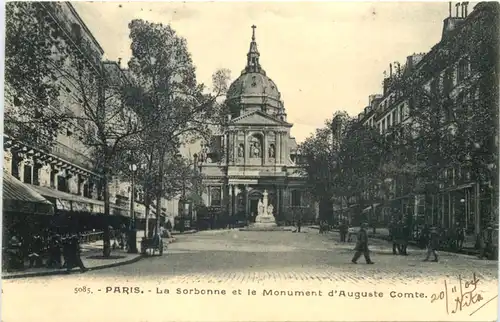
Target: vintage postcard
x=250, y=161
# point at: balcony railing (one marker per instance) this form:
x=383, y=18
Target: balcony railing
x=71, y=155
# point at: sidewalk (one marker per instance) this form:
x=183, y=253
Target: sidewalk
x=383, y=233
x=92, y=259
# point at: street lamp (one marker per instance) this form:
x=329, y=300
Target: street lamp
x=132, y=242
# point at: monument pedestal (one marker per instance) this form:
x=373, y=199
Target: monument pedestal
x=265, y=220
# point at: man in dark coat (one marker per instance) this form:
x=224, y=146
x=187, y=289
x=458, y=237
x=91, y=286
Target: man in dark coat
x=74, y=258
x=343, y=231
x=362, y=246
x=487, y=244
x=433, y=245
x=404, y=239
x=393, y=233
x=299, y=224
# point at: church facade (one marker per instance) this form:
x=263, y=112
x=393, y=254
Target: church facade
x=259, y=153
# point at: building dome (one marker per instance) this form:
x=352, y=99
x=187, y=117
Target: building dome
x=253, y=84
x=253, y=90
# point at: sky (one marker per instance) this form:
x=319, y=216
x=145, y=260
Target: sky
x=323, y=56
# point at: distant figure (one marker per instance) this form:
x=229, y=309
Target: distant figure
x=487, y=244
x=460, y=235
x=405, y=236
x=362, y=246
x=433, y=245
x=35, y=252
x=123, y=236
x=54, y=252
x=344, y=229
x=74, y=254
x=168, y=225
x=299, y=224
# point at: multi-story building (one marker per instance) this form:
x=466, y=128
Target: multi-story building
x=463, y=70
x=65, y=173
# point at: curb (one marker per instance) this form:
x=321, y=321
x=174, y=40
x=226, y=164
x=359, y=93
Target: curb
x=185, y=233
x=74, y=270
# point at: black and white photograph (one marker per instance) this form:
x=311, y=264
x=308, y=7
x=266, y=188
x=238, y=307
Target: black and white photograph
x=250, y=161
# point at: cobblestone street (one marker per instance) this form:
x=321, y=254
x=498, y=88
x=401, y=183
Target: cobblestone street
x=232, y=255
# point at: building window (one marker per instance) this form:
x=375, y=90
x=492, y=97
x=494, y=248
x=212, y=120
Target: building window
x=62, y=184
x=215, y=196
x=389, y=121
x=28, y=175
x=463, y=70
x=383, y=126
x=87, y=189
x=394, y=116
x=448, y=81
x=434, y=87
x=36, y=179
x=296, y=198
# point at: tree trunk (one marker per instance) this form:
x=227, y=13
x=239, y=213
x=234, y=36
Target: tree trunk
x=106, y=252
x=159, y=190
x=146, y=227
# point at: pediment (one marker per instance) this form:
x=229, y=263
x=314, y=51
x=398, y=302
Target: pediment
x=257, y=118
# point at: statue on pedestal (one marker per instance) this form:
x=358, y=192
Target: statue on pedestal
x=265, y=212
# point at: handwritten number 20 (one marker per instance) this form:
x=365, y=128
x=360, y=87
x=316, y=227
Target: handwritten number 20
x=435, y=297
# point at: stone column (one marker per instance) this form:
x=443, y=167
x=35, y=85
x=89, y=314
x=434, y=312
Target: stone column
x=265, y=148
x=233, y=200
x=20, y=169
x=246, y=145
x=235, y=146
x=81, y=184
x=7, y=161
x=284, y=142
x=229, y=199
x=278, y=202
x=94, y=192
x=247, y=206
x=44, y=175
x=278, y=147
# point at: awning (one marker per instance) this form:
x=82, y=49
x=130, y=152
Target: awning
x=370, y=207
x=70, y=202
x=18, y=197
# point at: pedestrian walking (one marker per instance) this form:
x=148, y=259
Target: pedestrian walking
x=123, y=236
x=393, y=233
x=487, y=244
x=404, y=240
x=35, y=252
x=54, y=252
x=299, y=224
x=460, y=235
x=73, y=254
x=433, y=245
x=344, y=228
x=362, y=246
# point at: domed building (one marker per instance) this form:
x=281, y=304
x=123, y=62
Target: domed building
x=259, y=152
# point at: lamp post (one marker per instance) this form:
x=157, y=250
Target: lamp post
x=132, y=242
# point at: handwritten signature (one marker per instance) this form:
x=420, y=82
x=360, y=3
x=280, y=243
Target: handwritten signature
x=461, y=296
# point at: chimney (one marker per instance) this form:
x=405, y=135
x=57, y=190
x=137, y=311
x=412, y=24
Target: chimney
x=466, y=4
x=452, y=23
x=449, y=9
x=390, y=70
x=120, y=62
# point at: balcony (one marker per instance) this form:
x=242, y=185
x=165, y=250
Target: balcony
x=68, y=154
